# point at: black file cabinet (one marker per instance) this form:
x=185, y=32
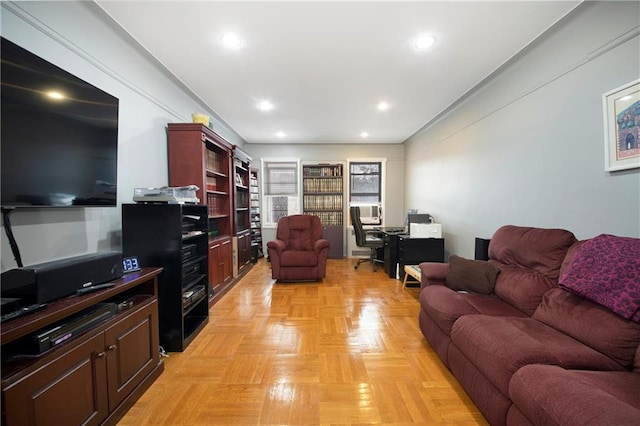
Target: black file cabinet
x=401, y=249
x=412, y=251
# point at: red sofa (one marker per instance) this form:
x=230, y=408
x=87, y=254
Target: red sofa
x=530, y=351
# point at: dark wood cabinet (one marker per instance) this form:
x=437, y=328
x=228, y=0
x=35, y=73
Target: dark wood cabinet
x=77, y=375
x=322, y=186
x=136, y=337
x=175, y=237
x=92, y=378
x=220, y=267
x=244, y=249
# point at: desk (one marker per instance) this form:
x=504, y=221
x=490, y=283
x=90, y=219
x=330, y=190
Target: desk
x=400, y=250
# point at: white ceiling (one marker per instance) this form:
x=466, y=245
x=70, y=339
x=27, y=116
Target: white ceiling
x=326, y=65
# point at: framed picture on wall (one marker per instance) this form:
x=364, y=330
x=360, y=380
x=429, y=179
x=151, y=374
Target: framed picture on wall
x=621, y=109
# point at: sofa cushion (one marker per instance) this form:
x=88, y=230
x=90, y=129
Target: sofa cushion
x=476, y=276
x=570, y=253
x=606, y=332
x=522, y=288
x=550, y=395
x=542, y=250
x=298, y=258
x=499, y=346
x=529, y=260
x=445, y=305
x=606, y=270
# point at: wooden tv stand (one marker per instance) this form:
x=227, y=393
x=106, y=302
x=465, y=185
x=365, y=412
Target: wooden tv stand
x=92, y=378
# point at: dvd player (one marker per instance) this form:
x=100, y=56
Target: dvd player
x=61, y=332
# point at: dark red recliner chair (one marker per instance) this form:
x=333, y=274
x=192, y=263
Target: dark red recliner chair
x=299, y=253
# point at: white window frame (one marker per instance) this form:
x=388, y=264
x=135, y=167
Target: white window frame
x=293, y=199
x=383, y=181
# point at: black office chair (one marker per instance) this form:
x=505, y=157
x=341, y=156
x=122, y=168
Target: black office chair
x=365, y=238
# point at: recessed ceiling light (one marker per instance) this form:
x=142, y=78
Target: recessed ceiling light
x=265, y=106
x=364, y=135
x=231, y=41
x=424, y=42
x=383, y=106
x=55, y=95
x=281, y=134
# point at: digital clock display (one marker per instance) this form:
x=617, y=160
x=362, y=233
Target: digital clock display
x=130, y=264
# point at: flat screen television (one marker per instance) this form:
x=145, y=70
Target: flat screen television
x=59, y=135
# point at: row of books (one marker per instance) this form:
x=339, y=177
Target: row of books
x=322, y=185
x=217, y=204
x=212, y=184
x=323, y=202
x=242, y=199
x=330, y=218
x=325, y=171
x=214, y=162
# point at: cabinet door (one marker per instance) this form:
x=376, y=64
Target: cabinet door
x=132, y=351
x=71, y=390
x=334, y=235
x=244, y=248
x=226, y=256
x=215, y=266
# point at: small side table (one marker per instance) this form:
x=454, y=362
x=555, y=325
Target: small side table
x=413, y=271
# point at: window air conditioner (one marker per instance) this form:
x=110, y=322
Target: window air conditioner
x=370, y=214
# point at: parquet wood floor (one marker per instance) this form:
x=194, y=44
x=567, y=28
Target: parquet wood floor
x=346, y=350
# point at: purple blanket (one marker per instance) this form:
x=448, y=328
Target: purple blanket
x=606, y=270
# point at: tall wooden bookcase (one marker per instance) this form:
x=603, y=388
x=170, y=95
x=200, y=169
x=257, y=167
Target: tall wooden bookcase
x=199, y=156
x=323, y=196
x=242, y=213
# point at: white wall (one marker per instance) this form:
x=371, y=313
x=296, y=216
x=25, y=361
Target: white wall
x=526, y=147
x=80, y=38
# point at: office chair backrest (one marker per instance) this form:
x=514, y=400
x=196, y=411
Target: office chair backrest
x=357, y=225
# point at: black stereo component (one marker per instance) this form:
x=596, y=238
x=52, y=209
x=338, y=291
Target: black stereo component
x=49, y=281
x=189, y=270
x=191, y=296
x=189, y=251
x=9, y=304
x=72, y=327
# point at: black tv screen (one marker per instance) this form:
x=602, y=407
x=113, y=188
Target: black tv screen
x=59, y=135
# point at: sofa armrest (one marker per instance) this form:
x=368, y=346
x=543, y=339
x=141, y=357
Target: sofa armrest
x=433, y=273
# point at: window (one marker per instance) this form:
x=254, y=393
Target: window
x=365, y=182
x=280, y=189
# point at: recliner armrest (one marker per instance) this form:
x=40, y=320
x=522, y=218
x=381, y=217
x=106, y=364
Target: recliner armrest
x=433, y=273
x=319, y=245
x=277, y=245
